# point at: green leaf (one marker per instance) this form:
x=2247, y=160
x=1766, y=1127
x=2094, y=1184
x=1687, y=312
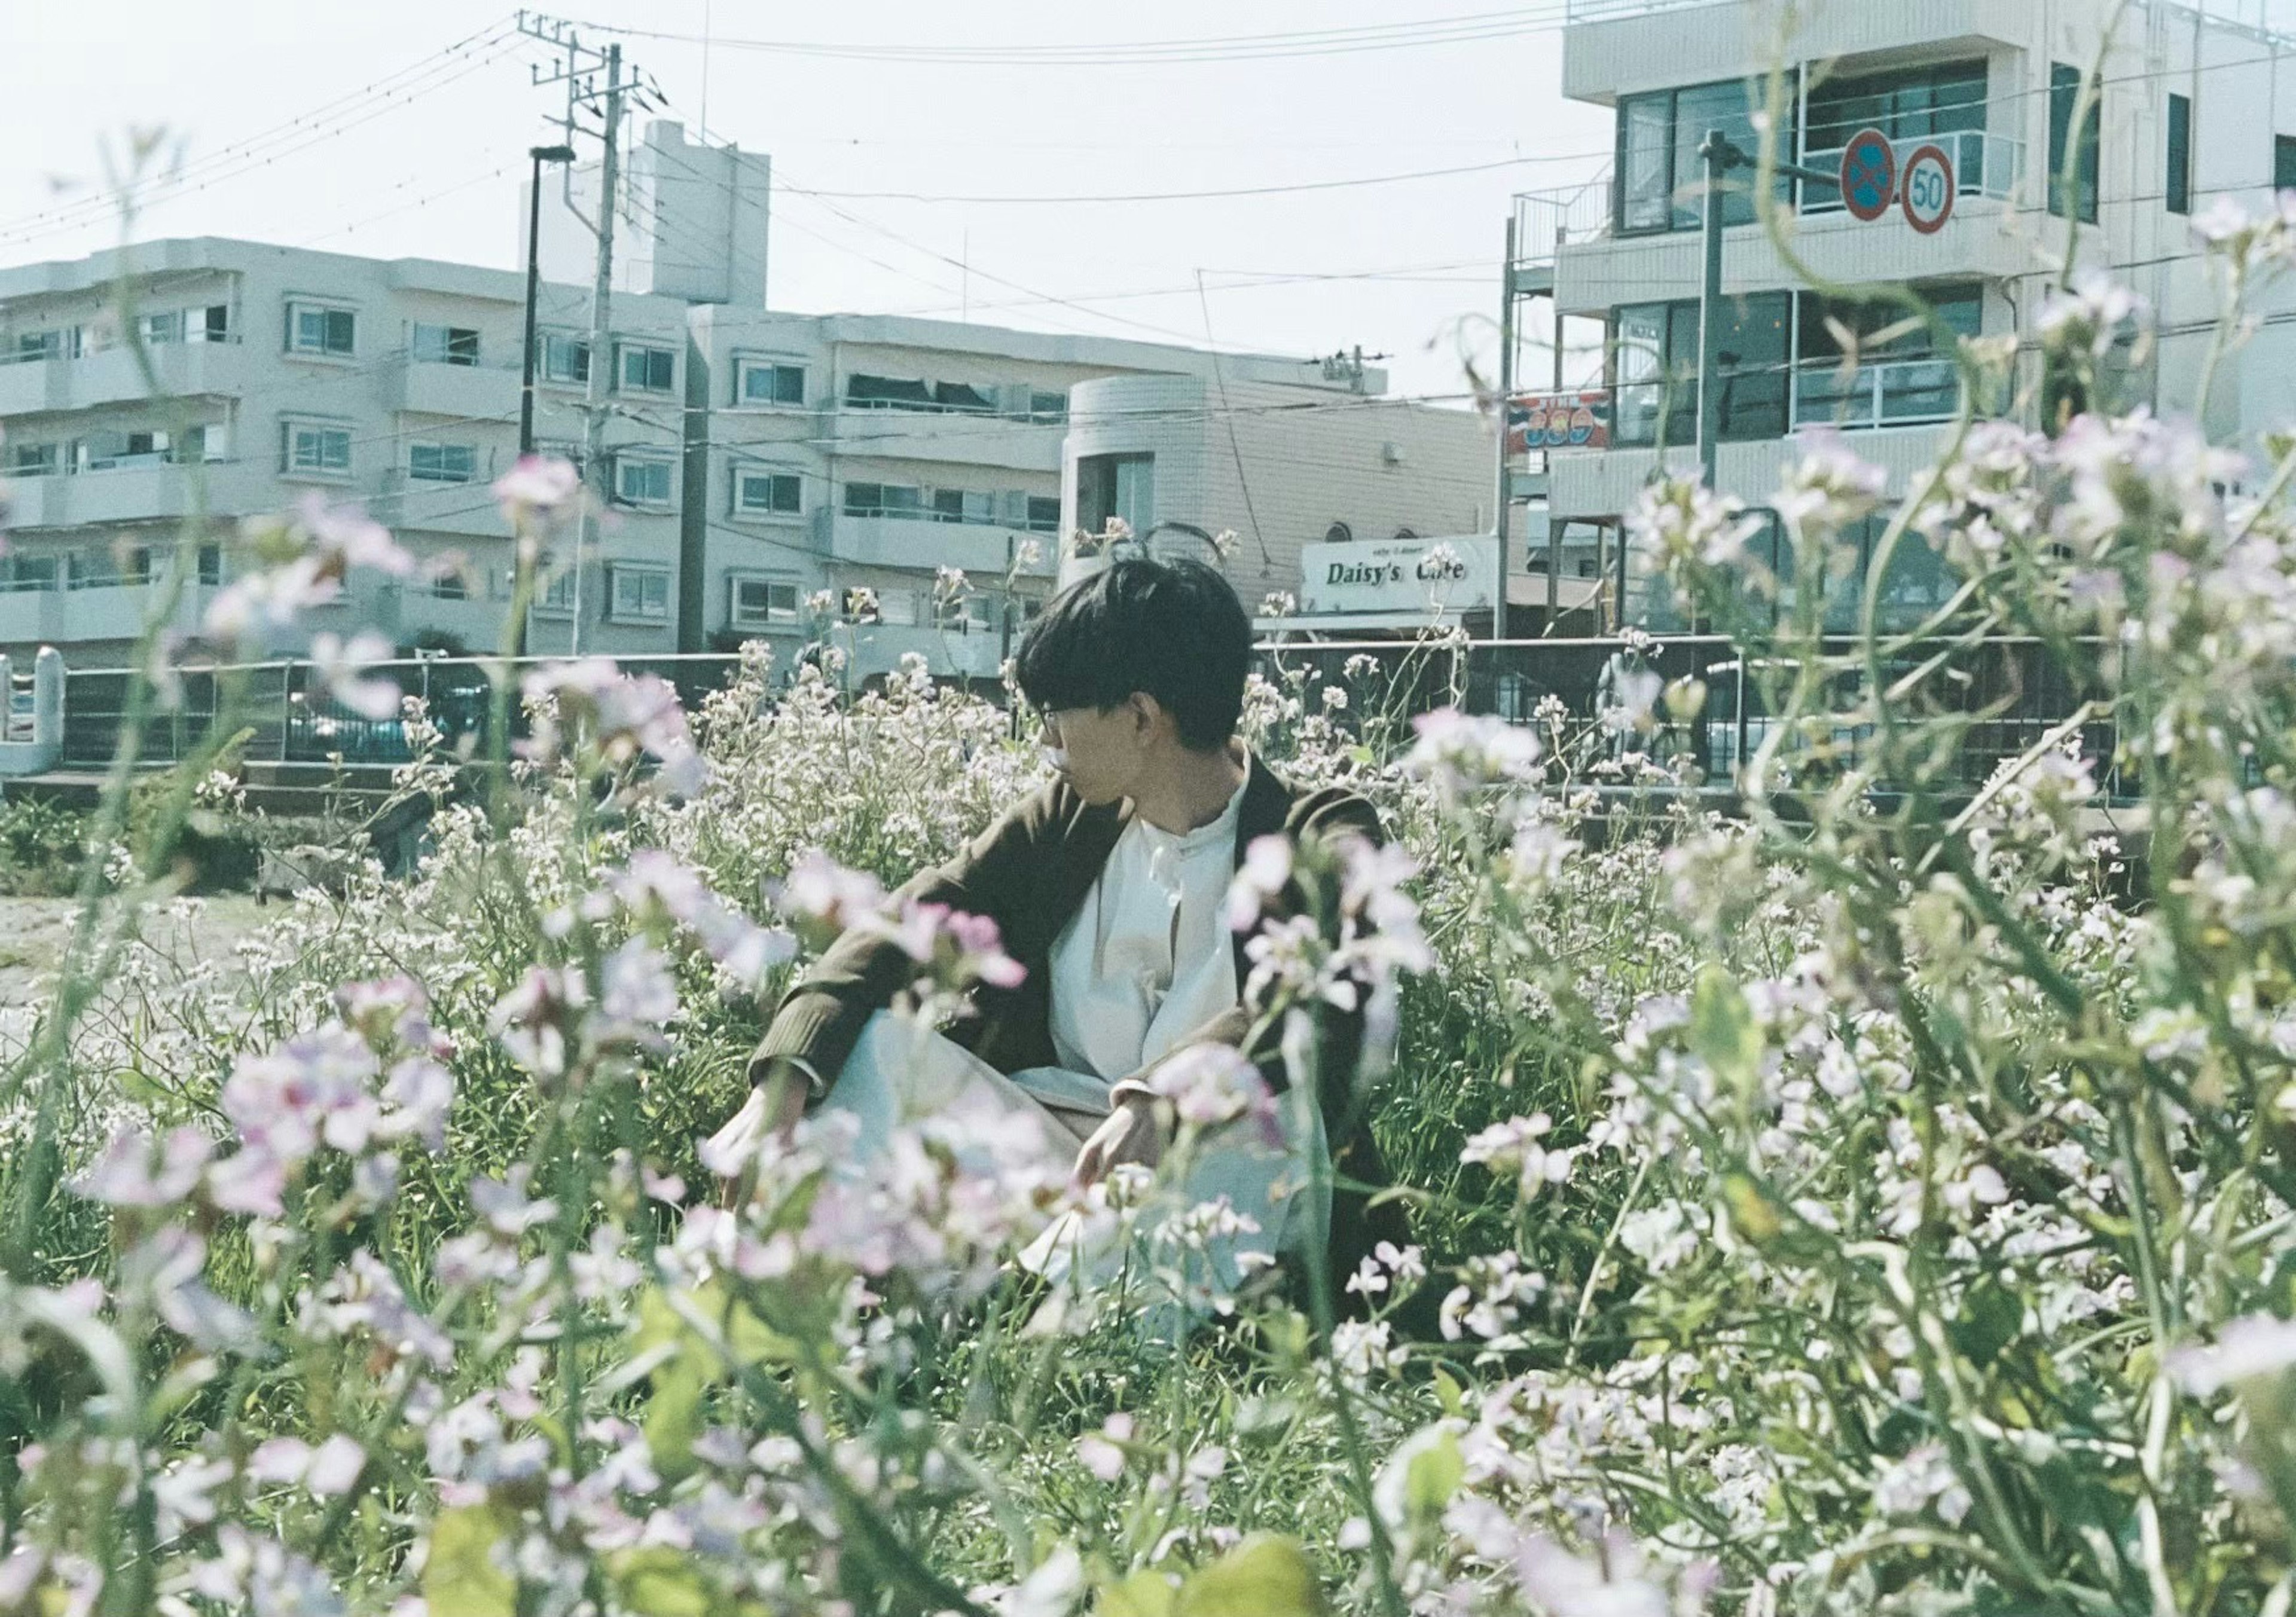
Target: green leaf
x=1450, y=1394
x=673, y=1417
x=1433, y=1474
x=1144, y=1594
x=1991, y=1316
x=659, y=1581
x=1266, y=1575
x=460, y=1576
x=1722, y=1030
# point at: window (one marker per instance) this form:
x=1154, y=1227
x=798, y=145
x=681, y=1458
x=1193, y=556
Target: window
x=2284, y=162
x=40, y=345
x=640, y=594
x=315, y=449
x=442, y=462
x=1944, y=98
x=209, y=564
x=161, y=328
x=888, y=393
x=963, y=505
x=214, y=326
x=882, y=500
x=775, y=493
x=556, y=594
x=962, y=396
x=447, y=581
x=2072, y=175
x=1044, y=513
x=762, y=600
x=34, y=572
x=1661, y=176
x=1907, y=379
x=1654, y=369
x=31, y=460
x=1118, y=485
x=766, y=382
x=641, y=482
x=647, y=370
x=446, y=345
x=564, y=358
x=1044, y=406
x=2179, y=186
x=316, y=328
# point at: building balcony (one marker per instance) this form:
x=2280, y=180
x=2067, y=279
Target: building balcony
x=924, y=544
x=467, y=393
x=111, y=613
x=959, y=437
x=409, y=504
x=143, y=488
x=180, y=369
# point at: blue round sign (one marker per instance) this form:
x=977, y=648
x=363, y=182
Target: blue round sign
x=1869, y=174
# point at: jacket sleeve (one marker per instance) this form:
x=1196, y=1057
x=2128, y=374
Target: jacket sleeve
x=1325, y=817
x=821, y=1017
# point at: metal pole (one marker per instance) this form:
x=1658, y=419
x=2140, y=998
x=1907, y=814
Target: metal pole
x=1716, y=153
x=601, y=356
x=533, y=291
x=1506, y=410
x=1553, y=528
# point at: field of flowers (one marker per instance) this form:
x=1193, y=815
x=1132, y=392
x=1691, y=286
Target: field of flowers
x=1875, y=1201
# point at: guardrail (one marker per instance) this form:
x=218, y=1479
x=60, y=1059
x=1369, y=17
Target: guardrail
x=1897, y=393
x=2012, y=690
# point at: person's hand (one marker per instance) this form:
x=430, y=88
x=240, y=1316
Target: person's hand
x=772, y=1110
x=1131, y=1134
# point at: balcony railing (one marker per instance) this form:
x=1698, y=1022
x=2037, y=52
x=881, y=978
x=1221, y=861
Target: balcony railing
x=1898, y=393
x=190, y=339
x=1984, y=165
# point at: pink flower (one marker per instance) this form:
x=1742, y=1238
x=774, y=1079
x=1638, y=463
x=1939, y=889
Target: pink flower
x=340, y=666
x=131, y=1175
x=539, y=487
x=1266, y=868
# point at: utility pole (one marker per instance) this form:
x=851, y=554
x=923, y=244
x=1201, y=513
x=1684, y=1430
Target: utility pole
x=585, y=94
x=1507, y=407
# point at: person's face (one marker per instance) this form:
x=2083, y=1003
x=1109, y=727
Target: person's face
x=1103, y=750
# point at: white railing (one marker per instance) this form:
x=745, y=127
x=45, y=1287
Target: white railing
x=1893, y=393
x=1984, y=165
x=85, y=349
x=1547, y=221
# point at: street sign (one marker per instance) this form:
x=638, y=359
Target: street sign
x=1869, y=174
x=1559, y=421
x=1929, y=188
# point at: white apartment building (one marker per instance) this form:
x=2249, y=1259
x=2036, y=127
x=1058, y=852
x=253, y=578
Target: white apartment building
x=277, y=375
x=2195, y=106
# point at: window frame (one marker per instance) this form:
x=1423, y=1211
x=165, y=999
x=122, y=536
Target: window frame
x=449, y=352
x=1676, y=215
x=290, y=467
x=569, y=343
x=643, y=574
x=736, y=619
x=650, y=463
x=773, y=508
x=328, y=312
x=419, y=446
x=2177, y=187
x=746, y=366
x=627, y=351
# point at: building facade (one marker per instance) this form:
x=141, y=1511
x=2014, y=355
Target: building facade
x=772, y=475
x=2192, y=108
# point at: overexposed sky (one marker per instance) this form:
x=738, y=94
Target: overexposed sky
x=344, y=127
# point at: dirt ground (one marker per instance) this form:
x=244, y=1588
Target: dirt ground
x=36, y=932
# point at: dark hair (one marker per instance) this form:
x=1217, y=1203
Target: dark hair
x=1171, y=629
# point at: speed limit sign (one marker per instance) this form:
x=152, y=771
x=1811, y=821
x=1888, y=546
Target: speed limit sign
x=1925, y=189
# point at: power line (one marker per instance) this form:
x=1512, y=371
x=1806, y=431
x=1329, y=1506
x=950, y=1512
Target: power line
x=1195, y=196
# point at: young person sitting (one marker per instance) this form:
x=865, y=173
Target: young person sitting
x=1109, y=887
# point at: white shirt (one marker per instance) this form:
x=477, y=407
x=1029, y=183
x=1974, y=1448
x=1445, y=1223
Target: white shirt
x=1148, y=959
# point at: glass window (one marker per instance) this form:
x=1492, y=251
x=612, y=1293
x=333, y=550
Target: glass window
x=309, y=447
x=883, y=499
x=314, y=329
x=1655, y=363
x=1942, y=99
x=772, y=493
x=1122, y=487
x=647, y=370
x=641, y=482
x=34, y=572
x=442, y=462
x=446, y=345
x=210, y=563
x=564, y=358
x=2180, y=155
x=1638, y=372
x=39, y=344
x=1047, y=406
x=2284, y=162
x=214, y=326
x=640, y=594
x=889, y=393
x=162, y=327
x=31, y=460
x=1044, y=513
x=1645, y=162
x=763, y=382
x=1907, y=377
x=2072, y=177
x=763, y=600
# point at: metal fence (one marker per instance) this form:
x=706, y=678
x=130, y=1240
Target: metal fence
x=2008, y=694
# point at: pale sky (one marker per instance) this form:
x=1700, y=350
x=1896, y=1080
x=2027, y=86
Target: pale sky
x=1406, y=269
